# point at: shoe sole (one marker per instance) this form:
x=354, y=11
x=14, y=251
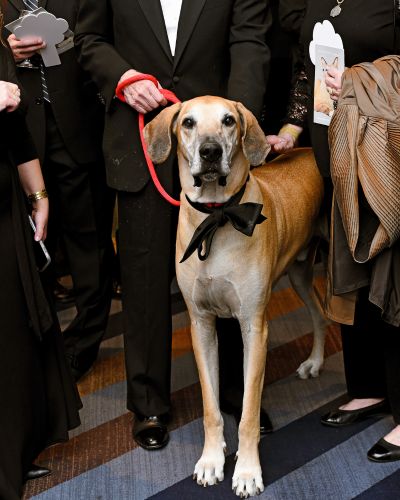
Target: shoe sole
x=152, y=448
x=378, y=461
x=40, y=477
x=359, y=419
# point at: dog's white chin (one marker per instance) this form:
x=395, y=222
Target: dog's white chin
x=210, y=176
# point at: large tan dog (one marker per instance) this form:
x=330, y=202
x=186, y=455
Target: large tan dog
x=218, y=140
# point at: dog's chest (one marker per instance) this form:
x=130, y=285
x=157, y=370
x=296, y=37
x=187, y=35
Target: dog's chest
x=216, y=292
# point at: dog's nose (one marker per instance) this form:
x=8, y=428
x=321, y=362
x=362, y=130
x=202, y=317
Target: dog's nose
x=210, y=151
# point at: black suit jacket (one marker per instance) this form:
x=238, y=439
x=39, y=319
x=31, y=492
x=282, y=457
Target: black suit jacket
x=220, y=50
x=76, y=107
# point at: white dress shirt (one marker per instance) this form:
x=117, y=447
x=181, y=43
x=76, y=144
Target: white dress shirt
x=171, y=10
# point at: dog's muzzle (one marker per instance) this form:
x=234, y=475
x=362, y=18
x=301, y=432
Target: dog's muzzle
x=211, y=168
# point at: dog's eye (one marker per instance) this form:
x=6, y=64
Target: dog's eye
x=228, y=121
x=188, y=123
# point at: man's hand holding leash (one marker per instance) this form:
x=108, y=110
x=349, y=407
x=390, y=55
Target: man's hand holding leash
x=143, y=96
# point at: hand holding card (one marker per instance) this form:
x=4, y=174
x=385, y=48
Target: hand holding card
x=327, y=54
x=49, y=28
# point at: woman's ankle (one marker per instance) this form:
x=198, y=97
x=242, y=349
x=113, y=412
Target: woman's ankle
x=394, y=436
x=357, y=404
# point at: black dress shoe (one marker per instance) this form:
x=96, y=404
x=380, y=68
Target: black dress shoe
x=36, y=472
x=265, y=422
x=383, y=451
x=340, y=418
x=151, y=433
x=62, y=294
x=117, y=290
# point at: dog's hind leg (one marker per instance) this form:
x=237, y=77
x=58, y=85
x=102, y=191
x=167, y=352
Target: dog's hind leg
x=301, y=278
x=209, y=469
x=247, y=477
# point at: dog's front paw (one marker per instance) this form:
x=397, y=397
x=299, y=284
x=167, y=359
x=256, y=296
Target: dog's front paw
x=309, y=368
x=209, y=469
x=247, y=481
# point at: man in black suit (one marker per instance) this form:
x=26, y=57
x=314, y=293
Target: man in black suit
x=192, y=47
x=66, y=119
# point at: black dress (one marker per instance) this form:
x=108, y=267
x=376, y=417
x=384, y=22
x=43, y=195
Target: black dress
x=371, y=347
x=38, y=400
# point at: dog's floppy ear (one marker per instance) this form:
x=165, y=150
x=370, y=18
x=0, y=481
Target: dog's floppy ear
x=254, y=142
x=158, y=132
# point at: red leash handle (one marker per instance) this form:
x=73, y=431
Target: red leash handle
x=171, y=97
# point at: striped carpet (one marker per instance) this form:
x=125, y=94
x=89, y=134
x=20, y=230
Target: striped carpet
x=301, y=460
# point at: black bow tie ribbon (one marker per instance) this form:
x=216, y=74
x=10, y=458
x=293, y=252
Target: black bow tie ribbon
x=243, y=218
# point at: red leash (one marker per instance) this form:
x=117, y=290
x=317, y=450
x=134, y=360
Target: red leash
x=171, y=97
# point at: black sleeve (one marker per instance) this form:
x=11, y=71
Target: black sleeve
x=291, y=14
x=94, y=44
x=16, y=135
x=20, y=140
x=249, y=53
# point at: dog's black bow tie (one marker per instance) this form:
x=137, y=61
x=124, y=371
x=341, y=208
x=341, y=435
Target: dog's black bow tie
x=243, y=217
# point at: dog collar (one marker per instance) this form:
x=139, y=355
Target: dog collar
x=243, y=217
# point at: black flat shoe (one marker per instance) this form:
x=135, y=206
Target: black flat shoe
x=36, y=472
x=340, y=418
x=383, y=451
x=151, y=433
x=265, y=422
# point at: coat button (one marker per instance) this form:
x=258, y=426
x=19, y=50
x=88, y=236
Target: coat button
x=175, y=79
x=39, y=100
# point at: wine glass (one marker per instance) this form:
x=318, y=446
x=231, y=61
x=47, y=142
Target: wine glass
x=26, y=63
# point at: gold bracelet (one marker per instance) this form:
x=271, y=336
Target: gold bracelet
x=38, y=195
x=291, y=130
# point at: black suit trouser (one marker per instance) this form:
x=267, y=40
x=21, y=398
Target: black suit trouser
x=81, y=208
x=371, y=352
x=147, y=231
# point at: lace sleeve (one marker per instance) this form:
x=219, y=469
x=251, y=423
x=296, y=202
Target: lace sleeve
x=298, y=100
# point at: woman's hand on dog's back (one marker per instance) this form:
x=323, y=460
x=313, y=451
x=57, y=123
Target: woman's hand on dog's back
x=286, y=138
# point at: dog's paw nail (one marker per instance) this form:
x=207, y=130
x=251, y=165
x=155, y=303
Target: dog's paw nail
x=194, y=477
x=258, y=491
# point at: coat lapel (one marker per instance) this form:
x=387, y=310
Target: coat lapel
x=18, y=4
x=190, y=12
x=153, y=12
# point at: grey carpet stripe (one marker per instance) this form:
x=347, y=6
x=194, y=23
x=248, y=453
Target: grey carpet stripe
x=290, y=398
